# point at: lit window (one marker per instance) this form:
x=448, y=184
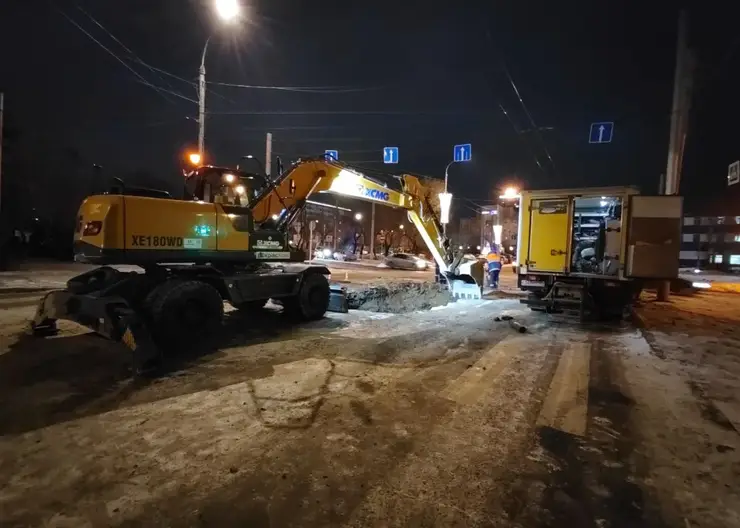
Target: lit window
x=718, y=259
x=737, y=238
x=734, y=260
x=703, y=237
x=687, y=237
x=688, y=220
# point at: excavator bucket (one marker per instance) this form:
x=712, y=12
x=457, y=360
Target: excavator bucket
x=464, y=287
x=467, y=281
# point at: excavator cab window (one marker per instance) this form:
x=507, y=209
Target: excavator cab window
x=220, y=185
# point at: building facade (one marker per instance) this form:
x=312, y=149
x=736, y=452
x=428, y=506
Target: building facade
x=711, y=242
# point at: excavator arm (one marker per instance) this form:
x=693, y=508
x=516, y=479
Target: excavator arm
x=280, y=202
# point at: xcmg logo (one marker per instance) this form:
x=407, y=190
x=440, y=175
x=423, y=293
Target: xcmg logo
x=373, y=193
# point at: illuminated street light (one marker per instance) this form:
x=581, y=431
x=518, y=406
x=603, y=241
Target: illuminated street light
x=358, y=216
x=400, y=226
x=194, y=158
x=510, y=193
x=228, y=10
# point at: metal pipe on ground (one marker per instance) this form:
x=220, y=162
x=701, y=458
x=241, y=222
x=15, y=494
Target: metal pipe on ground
x=518, y=326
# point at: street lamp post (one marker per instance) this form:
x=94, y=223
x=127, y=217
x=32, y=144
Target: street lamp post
x=227, y=11
x=447, y=170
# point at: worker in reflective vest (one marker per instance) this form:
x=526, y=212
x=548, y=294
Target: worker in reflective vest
x=493, y=262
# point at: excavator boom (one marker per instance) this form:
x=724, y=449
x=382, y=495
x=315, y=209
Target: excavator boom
x=285, y=199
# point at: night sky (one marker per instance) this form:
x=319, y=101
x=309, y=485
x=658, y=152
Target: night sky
x=422, y=79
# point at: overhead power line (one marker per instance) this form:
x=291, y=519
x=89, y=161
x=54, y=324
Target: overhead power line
x=161, y=91
x=335, y=112
x=302, y=89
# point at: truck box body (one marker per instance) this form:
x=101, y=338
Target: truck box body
x=612, y=234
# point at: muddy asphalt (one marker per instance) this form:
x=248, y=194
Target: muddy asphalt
x=444, y=417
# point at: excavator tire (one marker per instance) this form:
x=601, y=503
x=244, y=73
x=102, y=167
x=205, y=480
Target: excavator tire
x=312, y=300
x=250, y=306
x=183, y=313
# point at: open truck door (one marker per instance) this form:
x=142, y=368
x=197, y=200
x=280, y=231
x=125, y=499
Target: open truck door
x=654, y=237
x=549, y=230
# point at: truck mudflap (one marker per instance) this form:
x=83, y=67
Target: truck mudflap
x=338, y=299
x=110, y=317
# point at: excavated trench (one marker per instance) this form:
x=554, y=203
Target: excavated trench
x=397, y=297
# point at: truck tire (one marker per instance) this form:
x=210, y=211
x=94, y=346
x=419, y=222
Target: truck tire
x=312, y=300
x=182, y=313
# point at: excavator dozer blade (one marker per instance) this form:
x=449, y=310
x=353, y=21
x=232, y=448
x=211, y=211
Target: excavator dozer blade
x=110, y=317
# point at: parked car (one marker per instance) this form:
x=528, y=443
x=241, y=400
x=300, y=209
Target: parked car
x=406, y=261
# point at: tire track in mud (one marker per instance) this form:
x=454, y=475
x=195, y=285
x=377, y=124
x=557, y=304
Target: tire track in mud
x=589, y=481
x=327, y=467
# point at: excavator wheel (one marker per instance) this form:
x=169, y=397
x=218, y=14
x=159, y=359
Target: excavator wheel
x=182, y=313
x=312, y=300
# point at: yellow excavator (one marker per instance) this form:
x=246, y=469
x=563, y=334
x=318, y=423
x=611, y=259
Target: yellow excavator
x=226, y=240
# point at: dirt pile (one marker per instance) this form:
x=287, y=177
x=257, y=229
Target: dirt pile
x=397, y=297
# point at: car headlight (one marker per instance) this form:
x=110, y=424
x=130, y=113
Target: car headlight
x=326, y=252
x=421, y=264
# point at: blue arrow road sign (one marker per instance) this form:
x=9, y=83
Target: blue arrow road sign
x=462, y=152
x=390, y=155
x=332, y=155
x=601, y=132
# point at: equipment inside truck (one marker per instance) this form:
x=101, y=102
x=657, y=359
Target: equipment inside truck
x=596, y=238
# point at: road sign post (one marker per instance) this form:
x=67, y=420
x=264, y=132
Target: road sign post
x=390, y=155
x=462, y=153
x=733, y=173
x=331, y=155
x=601, y=132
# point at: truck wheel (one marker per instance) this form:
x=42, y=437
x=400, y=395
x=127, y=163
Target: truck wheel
x=184, y=312
x=312, y=300
x=250, y=306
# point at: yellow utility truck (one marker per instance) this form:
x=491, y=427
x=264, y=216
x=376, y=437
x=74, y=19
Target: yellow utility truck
x=593, y=249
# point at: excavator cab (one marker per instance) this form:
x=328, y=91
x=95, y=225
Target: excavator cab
x=222, y=185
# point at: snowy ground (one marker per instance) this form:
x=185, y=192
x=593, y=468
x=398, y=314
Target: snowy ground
x=437, y=418
x=693, y=421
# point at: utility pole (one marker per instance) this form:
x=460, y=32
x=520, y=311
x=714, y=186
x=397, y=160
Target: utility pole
x=682, y=83
x=268, y=155
x=202, y=103
x=2, y=118
x=372, y=231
